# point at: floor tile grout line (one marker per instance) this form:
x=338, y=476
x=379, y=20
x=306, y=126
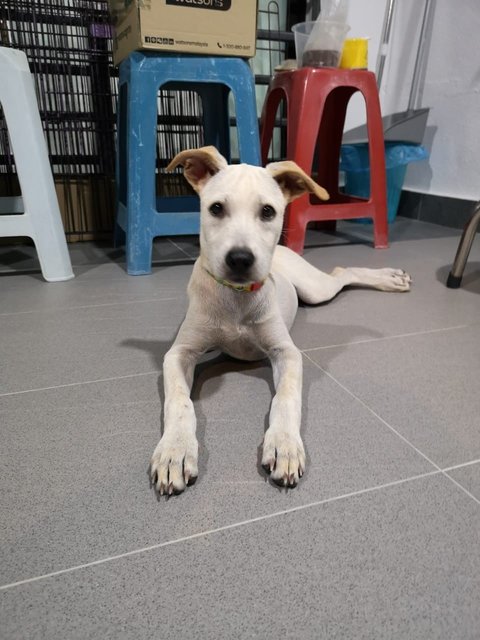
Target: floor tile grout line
x=460, y=486
x=461, y=465
x=304, y=351
x=374, y=413
x=228, y=527
x=395, y=431
x=392, y=337
x=75, y=384
x=182, y=250
x=90, y=306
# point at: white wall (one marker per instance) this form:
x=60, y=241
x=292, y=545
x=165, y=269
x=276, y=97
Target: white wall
x=451, y=88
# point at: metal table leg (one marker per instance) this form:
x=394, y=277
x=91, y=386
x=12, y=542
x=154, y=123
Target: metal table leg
x=455, y=276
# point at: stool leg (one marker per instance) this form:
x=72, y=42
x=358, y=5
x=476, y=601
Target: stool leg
x=303, y=118
x=267, y=121
x=42, y=219
x=139, y=249
x=294, y=226
x=330, y=136
x=378, y=179
x=380, y=233
x=329, y=141
x=456, y=274
x=216, y=128
x=141, y=192
x=242, y=86
x=121, y=176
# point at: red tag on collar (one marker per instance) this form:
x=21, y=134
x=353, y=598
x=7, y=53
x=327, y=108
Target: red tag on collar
x=255, y=286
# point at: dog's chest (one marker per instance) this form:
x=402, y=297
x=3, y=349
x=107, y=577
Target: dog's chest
x=239, y=342
x=236, y=329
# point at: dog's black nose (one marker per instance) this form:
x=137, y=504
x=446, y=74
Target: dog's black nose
x=239, y=260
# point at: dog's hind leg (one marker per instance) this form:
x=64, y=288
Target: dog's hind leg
x=313, y=286
x=320, y=287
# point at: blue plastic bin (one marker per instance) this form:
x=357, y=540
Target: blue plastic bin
x=354, y=161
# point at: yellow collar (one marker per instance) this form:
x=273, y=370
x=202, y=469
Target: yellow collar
x=245, y=288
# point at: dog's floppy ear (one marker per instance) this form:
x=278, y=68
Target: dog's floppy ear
x=293, y=181
x=199, y=165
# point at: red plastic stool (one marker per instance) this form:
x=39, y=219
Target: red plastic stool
x=317, y=100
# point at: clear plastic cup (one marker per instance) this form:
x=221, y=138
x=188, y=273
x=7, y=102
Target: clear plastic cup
x=319, y=43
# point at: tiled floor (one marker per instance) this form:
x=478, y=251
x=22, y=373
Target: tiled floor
x=380, y=540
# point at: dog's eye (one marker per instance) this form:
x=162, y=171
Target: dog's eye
x=216, y=209
x=268, y=212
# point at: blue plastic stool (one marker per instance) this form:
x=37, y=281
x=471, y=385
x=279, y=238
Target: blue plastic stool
x=141, y=215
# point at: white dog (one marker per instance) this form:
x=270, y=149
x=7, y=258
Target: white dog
x=243, y=300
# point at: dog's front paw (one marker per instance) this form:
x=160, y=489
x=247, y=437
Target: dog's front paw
x=174, y=463
x=283, y=457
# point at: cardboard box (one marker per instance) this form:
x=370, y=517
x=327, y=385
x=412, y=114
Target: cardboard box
x=211, y=27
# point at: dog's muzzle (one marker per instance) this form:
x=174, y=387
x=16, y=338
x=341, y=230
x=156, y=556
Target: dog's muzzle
x=239, y=262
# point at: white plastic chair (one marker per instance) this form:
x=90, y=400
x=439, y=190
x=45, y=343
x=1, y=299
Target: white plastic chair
x=41, y=218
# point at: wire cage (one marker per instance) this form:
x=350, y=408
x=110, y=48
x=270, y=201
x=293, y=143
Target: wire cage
x=69, y=47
